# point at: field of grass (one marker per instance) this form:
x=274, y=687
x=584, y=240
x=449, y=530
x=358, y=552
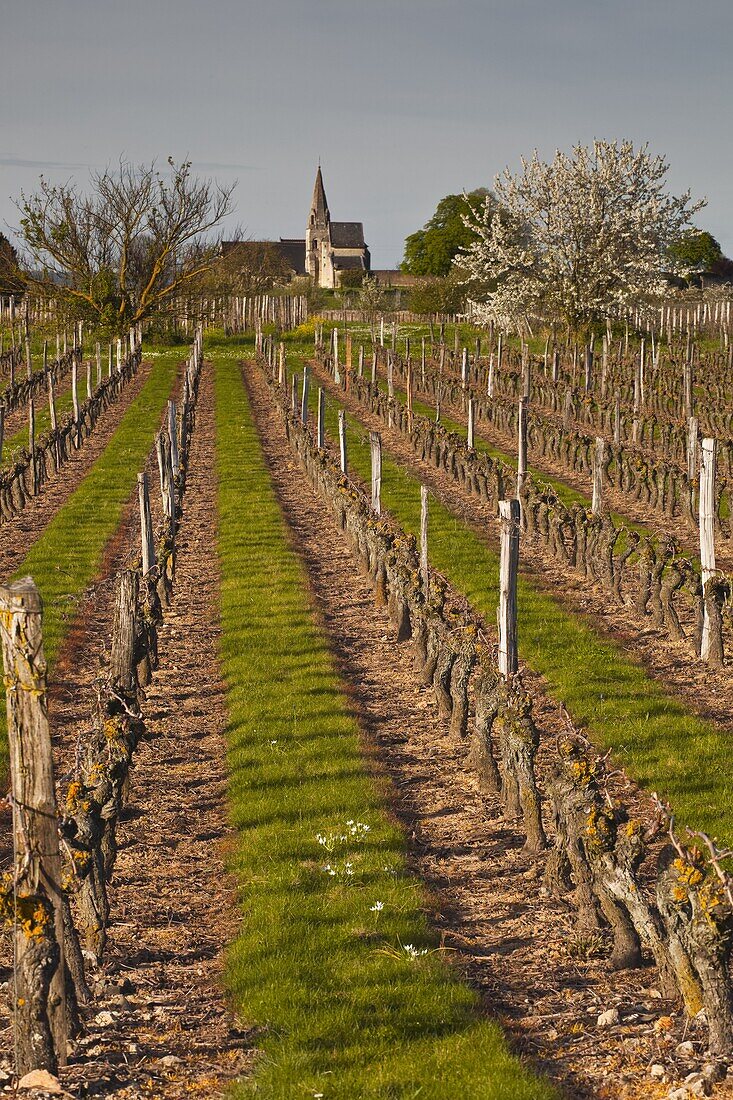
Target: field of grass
x=335, y=960
x=67, y=556
x=656, y=738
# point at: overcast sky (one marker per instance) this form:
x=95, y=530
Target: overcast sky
x=404, y=101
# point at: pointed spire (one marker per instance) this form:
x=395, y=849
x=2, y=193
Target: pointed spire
x=319, y=205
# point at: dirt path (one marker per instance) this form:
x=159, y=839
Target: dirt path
x=17, y=537
x=703, y=690
x=517, y=947
x=160, y=1026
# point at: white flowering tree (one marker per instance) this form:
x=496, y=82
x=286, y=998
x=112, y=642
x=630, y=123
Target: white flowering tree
x=576, y=238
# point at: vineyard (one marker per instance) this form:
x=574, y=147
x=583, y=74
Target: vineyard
x=367, y=707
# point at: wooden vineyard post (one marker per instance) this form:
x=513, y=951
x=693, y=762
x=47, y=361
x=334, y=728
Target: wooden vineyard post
x=361, y=360
x=588, y=368
x=109, y=360
x=75, y=398
x=464, y=375
x=375, y=440
x=408, y=386
x=321, y=424
x=36, y=908
x=173, y=437
x=304, y=399
x=54, y=423
x=167, y=484
x=509, y=515
x=281, y=364
x=375, y=354
x=119, y=356
x=471, y=423
x=599, y=461
x=89, y=379
x=336, y=372
x=342, y=442
x=294, y=394
x=490, y=380
x=693, y=428
x=98, y=352
x=707, y=534
x=424, y=569
x=522, y=444
x=32, y=443
x=422, y=362
x=146, y=524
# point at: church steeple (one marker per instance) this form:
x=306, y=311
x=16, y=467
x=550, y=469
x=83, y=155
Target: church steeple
x=319, y=205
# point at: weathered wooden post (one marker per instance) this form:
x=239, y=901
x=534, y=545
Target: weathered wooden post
x=167, y=486
x=35, y=900
x=146, y=524
x=336, y=371
x=342, y=442
x=32, y=443
x=89, y=379
x=28, y=359
x=687, y=387
x=119, y=356
x=304, y=397
x=109, y=360
x=555, y=364
x=98, y=353
x=424, y=567
x=471, y=422
x=173, y=437
x=509, y=518
x=294, y=394
x=490, y=381
x=375, y=440
x=75, y=401
x=522, y=444
x=464, y=375
x=361, y=360
x=281, y=364
x=321, y=424
x=693, y=430
x=588, y=367
x=599, y=461
x=408, y=385
x=707, y=533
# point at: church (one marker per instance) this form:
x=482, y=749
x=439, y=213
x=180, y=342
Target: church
x=328, y=250
x=332, y=247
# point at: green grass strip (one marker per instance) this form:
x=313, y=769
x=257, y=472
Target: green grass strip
x=67, y=556
x=347, y=1011
x=657, y=739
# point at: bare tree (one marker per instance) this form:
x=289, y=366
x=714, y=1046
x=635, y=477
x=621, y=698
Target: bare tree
x=119, y=254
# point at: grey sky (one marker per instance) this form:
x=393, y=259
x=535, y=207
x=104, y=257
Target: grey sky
x=403, y=100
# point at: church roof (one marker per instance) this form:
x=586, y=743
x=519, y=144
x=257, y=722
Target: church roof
x=348, y=263
x=319, y=203
x=293, y=251
x=347, y=234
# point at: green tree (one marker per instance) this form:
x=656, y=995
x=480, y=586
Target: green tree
x=695, y=251
x=430, y=251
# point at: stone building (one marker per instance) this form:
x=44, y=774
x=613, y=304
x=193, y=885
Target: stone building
x=327, y=251
x=332, y=247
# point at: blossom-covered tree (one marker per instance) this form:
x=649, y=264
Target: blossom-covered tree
x=577, y=238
